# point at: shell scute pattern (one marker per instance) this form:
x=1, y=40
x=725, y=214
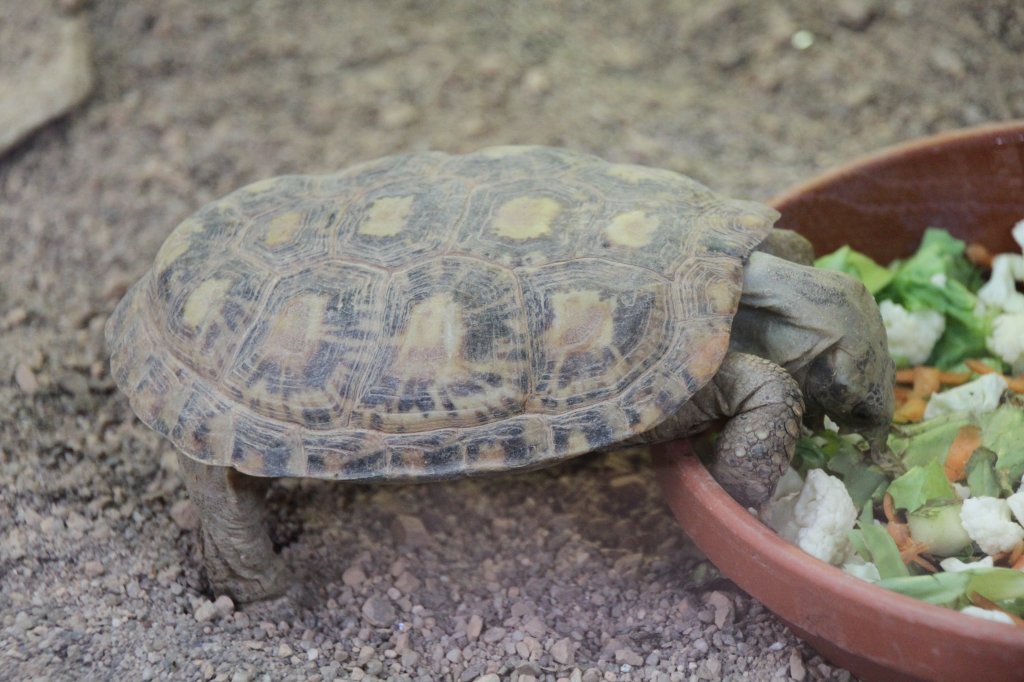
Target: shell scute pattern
x=454, y=349
x=310, y=344
x=594, y=326
x=526, y=222
x=424, y=315
x=394, y=223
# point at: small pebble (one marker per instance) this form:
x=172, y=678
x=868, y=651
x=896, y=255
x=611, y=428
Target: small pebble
x=224, y=606
x=397, y=115
x=796, y=667
x=409, y=531
x=353, y=576
x=205, y=612
x=495, y=634
x=474, y=627
x=629, y=657
x=93, y=569
x=562, y=652
x=185, y=515
x=379, y=612
x=26, y=379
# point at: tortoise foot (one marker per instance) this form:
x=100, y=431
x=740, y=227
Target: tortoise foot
x=238, y=554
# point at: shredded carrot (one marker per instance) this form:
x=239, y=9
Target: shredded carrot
x=967, y=440
x=905, y=375
x=978, y=367
x=1016, y=553
x=926, y=381
x=986, y=603
x=979, y=255
x=954, y=378
x=911, y=411
x=1015, y=384
x=889, y=508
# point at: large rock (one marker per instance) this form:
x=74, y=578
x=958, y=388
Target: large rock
x=45, y=67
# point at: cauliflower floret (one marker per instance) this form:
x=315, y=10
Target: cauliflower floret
x=954, y=565
x=1000, y=291
x=962, y=491
x=978, y=396
x=1007, y=338
x=987, y=522
x=912, y=335
x=865, y=570
x=987, y=614
x=1016, y=504
x=817, y=518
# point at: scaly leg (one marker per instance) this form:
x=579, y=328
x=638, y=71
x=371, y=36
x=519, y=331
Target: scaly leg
x=240, y=559
x=762, y=405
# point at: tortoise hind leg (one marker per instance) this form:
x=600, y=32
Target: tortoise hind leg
x=240, y=559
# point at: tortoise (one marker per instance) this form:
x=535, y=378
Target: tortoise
x=427, y=315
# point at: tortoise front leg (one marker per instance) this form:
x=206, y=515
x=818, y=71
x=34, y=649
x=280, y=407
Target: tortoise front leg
x=762, y=405
x=240, y=559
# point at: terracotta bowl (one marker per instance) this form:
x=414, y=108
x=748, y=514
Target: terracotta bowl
x=972, y=183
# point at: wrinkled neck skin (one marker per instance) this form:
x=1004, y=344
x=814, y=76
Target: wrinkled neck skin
x=825, y=330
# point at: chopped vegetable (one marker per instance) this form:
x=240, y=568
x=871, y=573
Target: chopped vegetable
x=967, y=440
x=987, y=521
x=981, y=395
x=912, y=334
x=920, y=485
x=942, y=513
x=938, y=526
x=816, y=518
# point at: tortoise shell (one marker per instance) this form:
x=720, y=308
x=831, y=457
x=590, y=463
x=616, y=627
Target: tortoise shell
x=427, y=315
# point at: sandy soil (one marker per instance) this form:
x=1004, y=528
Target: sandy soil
x=577, y=572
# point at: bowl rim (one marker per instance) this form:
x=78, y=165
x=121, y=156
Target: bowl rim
x=747, y=528
x=884, y=156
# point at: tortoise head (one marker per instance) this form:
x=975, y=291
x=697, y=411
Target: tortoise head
x=852, y=379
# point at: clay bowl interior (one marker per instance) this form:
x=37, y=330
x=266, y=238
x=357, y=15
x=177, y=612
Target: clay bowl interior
x=972, y=183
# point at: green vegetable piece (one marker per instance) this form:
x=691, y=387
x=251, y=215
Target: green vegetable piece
x=863, y=480
x=942, y=589
x=928, y=441
x=938, y=525
x=1003, y=433
x=920, y=485
x=981, y=473
x=809, y=455
x=938, y=277
x=1005, y=586
x=883, y=551
x=844, y=259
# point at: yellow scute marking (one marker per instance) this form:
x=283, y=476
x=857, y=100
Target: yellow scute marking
x=282, y=228
x=387, y=216
x=632, y=228
x=299, y=322
x=177, y=243
x=206, y=296
x=433, y=340
x=581, y=319
x=721, y=296
x=578, y=442
x=637, y=174
x=526, y=217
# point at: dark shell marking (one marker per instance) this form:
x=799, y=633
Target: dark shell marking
x=428, y=315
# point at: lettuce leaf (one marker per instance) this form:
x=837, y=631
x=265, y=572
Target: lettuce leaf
x=920, y=485
x=939, y=277
x=844, y=259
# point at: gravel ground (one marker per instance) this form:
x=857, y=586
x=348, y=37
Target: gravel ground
x=576, y=572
